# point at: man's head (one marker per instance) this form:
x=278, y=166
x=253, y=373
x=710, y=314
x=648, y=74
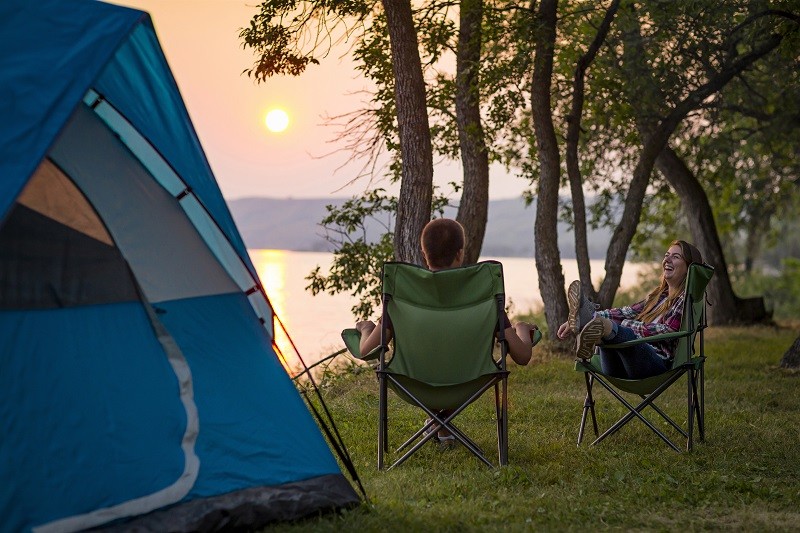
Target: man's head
x=442, y=242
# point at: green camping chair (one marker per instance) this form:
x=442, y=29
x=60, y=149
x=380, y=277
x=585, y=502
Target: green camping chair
x=687, y=361
x=444, y=326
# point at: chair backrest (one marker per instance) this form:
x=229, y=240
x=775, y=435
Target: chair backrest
x=444, y=322
x=694, y=309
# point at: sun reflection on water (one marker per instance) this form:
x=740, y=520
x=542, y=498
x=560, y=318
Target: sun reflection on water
x=271, y=269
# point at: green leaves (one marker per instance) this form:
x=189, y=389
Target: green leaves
x=358, y=257
x=288, y=35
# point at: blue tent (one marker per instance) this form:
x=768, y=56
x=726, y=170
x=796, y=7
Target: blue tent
x=138, y=380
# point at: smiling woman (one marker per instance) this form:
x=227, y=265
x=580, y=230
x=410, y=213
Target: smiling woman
x=277, y=120
x=660, y=313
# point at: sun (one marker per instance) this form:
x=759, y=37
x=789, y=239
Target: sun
x=277, y=120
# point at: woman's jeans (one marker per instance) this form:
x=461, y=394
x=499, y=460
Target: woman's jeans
x=635, y=362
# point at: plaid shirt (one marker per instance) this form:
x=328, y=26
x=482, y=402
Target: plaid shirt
x=666, y=323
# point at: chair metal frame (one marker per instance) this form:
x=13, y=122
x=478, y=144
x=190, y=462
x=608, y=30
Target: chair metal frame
x=429, y=430
x=402, y=386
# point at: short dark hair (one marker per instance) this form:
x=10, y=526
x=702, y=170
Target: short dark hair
x=442, y=239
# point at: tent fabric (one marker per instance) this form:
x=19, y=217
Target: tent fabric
x=230, y=390
x=139, y=83
x=157, y=257
x=51, y=52
x=69, y=421
x=264, y=505
x=54, y=195
x=138, y=379
x=113, y=49
x=45, y=264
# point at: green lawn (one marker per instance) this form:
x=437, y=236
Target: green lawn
x=743, y=477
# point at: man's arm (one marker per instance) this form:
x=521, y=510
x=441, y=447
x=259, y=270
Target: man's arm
x=370, y=336
x=519, y=342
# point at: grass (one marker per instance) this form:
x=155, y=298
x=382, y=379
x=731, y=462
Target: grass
x=743, y=477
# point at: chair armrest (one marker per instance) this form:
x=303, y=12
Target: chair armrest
x=352, y=340
x=536, y=336
x=652, y=338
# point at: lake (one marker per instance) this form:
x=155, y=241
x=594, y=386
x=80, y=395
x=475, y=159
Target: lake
x=315, y=322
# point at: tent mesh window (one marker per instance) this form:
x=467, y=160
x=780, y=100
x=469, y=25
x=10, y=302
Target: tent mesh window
x=55, y=252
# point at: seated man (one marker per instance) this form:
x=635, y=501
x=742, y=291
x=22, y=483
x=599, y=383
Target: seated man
x=443, y=247
x=442, y=243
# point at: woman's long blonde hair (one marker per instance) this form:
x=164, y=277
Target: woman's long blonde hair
x=652, y=309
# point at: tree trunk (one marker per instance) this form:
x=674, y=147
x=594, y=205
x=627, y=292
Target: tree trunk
x=474, y=206
x=573, y=162
x=633, y=65
x=756, y=231
x=416, y=152
x=791, y=359
x=548, y=259
x=725, y=306
x=626, y=228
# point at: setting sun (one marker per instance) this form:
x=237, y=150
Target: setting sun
x=277, y=120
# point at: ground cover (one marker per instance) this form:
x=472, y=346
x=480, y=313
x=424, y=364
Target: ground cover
x=743, y=477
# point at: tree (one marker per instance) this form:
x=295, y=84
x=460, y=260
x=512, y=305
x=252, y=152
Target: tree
x=727, y=307
x=473, y=210
x=572, y=147
x=547, y=255
x=791, y=359
x=657, y=72
x=750, y=153
x=416, y=153
x=677, y=37
x=279, y=34
x=752, y=44
x=657, y=119
x=354, y=255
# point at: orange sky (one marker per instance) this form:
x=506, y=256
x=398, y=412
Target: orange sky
x=201, y=41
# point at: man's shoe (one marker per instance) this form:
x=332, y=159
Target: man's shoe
x=446, y=442
x=581, y=310
x=588, y=338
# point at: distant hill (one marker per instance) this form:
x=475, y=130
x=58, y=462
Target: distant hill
x=293, y=224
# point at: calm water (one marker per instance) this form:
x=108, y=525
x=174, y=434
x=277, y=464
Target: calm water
x=315, y=322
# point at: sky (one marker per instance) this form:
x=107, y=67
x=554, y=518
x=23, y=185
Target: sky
x=200, y=39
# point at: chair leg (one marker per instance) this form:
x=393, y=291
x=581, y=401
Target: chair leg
x=502, y=436
x=667, y=419
x=698, y=401
x=588, y=406
x=466, y=441
x=438, y=423
x=431, y=427
x=690, y=402
x=383, y=439
x=636, y=412
x=499, y=417
x=701, y=417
